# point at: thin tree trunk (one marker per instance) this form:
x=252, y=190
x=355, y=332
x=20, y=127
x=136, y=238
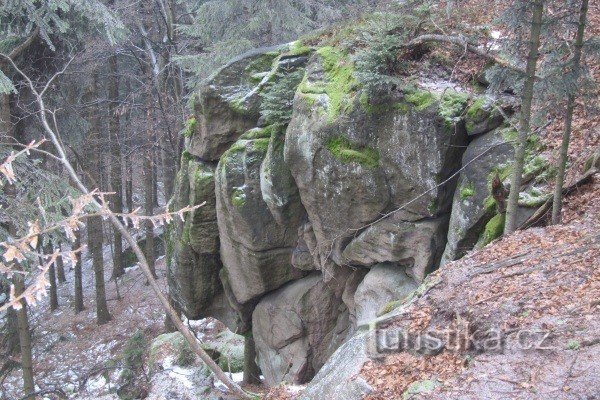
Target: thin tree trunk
x=149, y=209
x=564, y=149
x=251, y=369
x=155, y=159
x=525, y=117
x=60, y=268
x=115, y=169
x=53, y=291
x=129, y=184
x=24, y=340
x=78, y=275
x=94, y=224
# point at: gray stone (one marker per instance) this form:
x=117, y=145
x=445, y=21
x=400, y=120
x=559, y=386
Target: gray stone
x=297, y=328
x=418, y=245
x=193, y=250
x=383, y=284
x=339, y=379
x=351, y=168
x=227, y=104
x=256, y=251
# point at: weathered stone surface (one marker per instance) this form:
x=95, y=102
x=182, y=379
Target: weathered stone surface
x=338, y=378
x=256, y=251
x=193, y=249
x=296, y=329
x=227, y=104
x=481, y=117
x=473, y=205
x=305, y=256
x=278, y=188
x=352, y=167
x=383, y=284
x=415, y=244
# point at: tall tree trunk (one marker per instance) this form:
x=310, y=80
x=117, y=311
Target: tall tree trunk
x=60, y=268
x=525, y=117
x=149, y=208
x=251, y=369
x=7, y=129
x=78, y=275
x=564, y=149
x=24, y=340
x=52, y=278
x=155, y=176
x=115, y=169
x=94, y=224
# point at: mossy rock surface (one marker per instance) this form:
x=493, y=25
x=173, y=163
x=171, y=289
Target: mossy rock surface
x=421, y=387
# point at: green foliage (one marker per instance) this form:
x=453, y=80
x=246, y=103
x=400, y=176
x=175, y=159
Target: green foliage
x=59, y=20
x=343, y=150
x=278, y=97
x=134, y=350
x=223, y=29
x=452, y=105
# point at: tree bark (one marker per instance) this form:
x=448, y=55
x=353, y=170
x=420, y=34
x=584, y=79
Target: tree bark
x=24, y=340
x=78, y=275
x=94, y=224
x=115, y=169
x=525, y=117
x=251, y=369
x=564, y=149
x=53, y=289
x=60, y=268
x=149, y=208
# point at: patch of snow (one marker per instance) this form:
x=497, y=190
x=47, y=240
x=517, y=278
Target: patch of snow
x=96, y=383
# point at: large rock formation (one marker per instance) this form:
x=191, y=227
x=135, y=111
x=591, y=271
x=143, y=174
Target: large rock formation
x=328, y=202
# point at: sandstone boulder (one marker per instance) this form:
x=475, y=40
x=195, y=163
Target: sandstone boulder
x=384, y=283
x=256, y=251
x=297, y=328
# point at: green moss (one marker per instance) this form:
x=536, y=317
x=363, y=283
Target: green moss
x=489, y=204
x=493, y=230
x=421, y=99
x=419, y=387
x=258, y=133
x=238, y=197
x=391, y=306
x=340, y=83
x=476, y=112
x=573, y=345
x=262, y=63
x=186, y=156
x=261, y=145
x=452, y=105
x=467, y=191
x=298, y=48
x=343, y=150
x=185, y=355
x=190, y=127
